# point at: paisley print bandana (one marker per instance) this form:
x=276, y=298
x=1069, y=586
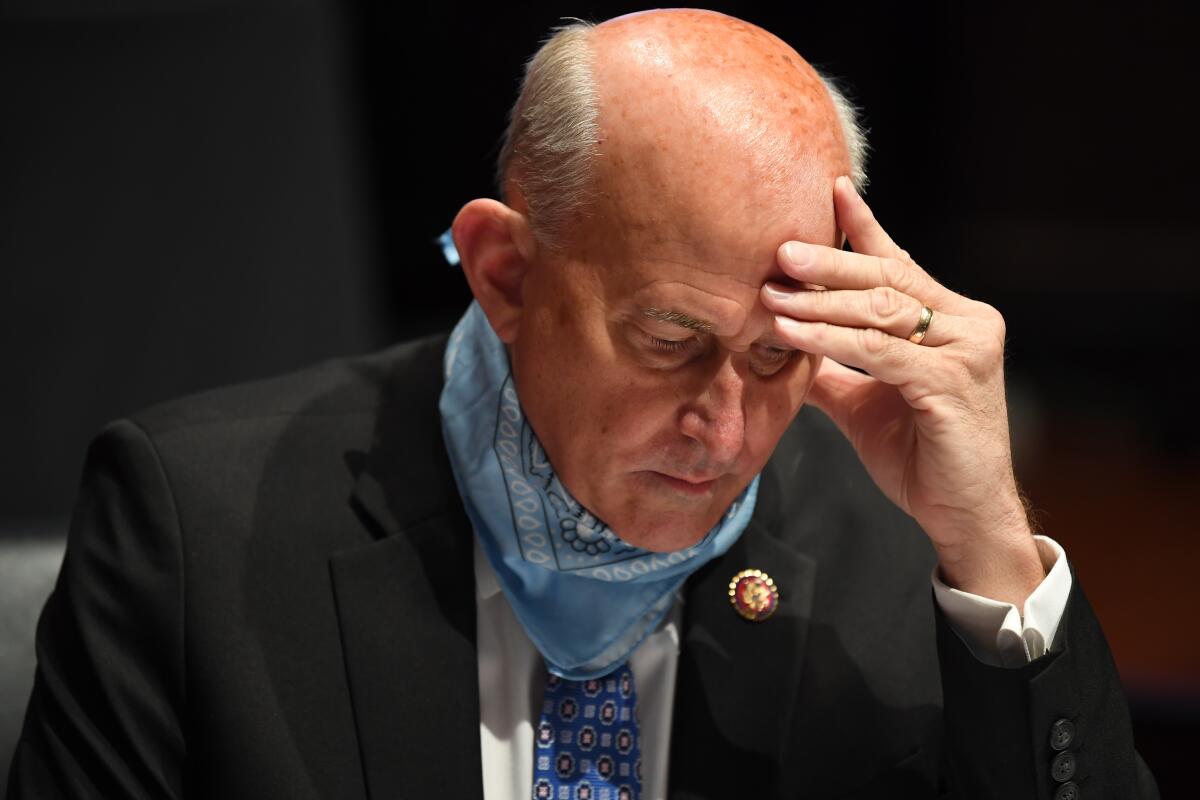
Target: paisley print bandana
x=585, y=597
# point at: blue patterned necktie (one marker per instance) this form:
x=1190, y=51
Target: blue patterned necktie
x=587, y=742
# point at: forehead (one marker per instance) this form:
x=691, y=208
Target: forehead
x=702, y=241
x=708, y=160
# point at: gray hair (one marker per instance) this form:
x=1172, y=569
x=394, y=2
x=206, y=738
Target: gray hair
x=549, y=144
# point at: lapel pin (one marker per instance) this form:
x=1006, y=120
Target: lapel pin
x=753, y=594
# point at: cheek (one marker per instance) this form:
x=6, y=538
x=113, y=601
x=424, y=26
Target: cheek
x=582, y=397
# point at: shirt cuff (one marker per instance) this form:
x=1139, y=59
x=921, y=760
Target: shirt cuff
x=994, y=631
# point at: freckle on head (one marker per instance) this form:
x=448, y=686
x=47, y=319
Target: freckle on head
x=724, y=79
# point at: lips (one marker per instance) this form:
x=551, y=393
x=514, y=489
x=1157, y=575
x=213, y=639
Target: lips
x=693, y=478
x=688, y=485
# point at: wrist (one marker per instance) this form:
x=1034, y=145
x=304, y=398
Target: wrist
x=1005, y=569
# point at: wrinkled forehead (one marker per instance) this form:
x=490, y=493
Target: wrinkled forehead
x=702, y=238
x=717, y=143
x=712, y=213
x=702, y=244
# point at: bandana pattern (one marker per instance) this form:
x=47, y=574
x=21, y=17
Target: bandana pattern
x=585, y=597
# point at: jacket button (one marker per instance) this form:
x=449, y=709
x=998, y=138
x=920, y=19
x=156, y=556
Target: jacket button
x=1062, y=733
x=1068, y=791
x=1063, y=766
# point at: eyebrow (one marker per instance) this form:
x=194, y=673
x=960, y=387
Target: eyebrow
x=679, y=318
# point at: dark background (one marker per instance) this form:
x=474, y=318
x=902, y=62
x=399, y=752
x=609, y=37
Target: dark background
x=197, y=192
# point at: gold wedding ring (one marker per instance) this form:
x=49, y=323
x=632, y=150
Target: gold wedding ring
x=922, y=326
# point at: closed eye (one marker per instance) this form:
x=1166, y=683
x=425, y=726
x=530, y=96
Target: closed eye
x=775, y=353
x=670, y=345
x=772, y=358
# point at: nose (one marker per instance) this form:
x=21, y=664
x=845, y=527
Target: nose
x=717, y=419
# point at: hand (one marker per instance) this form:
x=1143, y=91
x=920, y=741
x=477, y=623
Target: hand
x=929, y=421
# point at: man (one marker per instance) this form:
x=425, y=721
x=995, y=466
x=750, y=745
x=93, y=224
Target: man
x=590, y=544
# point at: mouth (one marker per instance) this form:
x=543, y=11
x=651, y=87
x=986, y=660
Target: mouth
x=686, y=485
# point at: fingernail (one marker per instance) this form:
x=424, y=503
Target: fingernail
x=798, y=253
x=775, y=293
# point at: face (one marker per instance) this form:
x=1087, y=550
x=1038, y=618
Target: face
x=644, y=360
x=653, y=426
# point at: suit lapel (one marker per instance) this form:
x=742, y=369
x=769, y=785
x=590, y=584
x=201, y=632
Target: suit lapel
x=409, y=642
x=737, y=680
x=406, y=602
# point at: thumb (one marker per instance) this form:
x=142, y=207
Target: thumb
x=836, y=390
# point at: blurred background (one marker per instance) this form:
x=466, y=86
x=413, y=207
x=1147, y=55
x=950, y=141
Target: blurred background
x=199, y=192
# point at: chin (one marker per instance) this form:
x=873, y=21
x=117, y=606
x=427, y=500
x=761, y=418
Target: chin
x=660, y=540
x=660, y=518
x=649, y=513
x=665, y=530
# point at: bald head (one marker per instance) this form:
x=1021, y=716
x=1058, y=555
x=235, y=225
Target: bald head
x=677, y=103
x=700, y=86
x=712, y=118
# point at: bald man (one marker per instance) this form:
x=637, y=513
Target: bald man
x=632, y=529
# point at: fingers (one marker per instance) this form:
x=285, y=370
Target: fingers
x=872, y=304
x=841, y=269
x=858, y=222
x=888, y=358
x=882, y=307
x=954, y=349
x=835, y=392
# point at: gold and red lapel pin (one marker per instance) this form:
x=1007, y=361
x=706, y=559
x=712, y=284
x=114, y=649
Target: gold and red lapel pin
x=753, y=594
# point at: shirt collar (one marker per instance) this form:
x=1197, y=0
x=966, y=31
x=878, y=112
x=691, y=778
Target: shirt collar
x=486, y=584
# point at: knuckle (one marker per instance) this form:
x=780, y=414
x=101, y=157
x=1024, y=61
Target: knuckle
x=894, y=272
x=819, y=301
x=840, y=260
x=983, y=355
x=987, y=311
x=873, y=341
x=886, y=303
x=998, y=320
x=994, y=323
x=979, y=365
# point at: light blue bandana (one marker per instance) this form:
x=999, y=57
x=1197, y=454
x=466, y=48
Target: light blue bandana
x=585, y=597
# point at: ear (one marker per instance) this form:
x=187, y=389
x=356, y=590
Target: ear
x=497, y=251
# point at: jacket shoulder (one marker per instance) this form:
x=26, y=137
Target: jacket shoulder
x=334, y=387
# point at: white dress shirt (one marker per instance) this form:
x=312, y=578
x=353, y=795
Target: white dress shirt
x=512, y=673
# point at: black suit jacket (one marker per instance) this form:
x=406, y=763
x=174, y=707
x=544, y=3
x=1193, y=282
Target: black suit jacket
x=268, y=593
